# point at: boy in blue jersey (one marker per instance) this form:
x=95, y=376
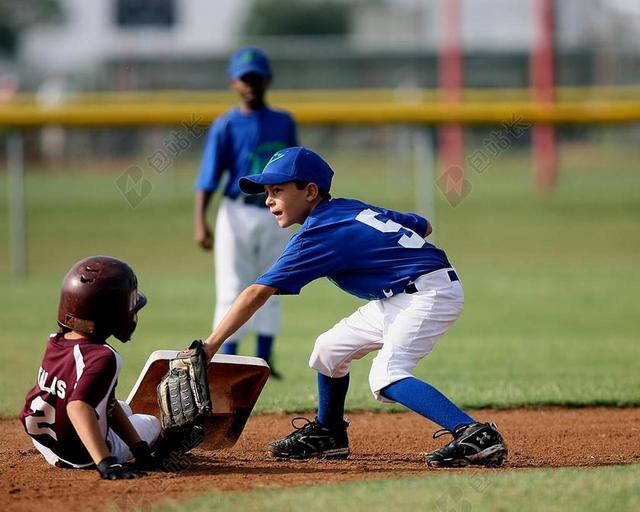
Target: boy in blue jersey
x=414, y=296
x=248, y=240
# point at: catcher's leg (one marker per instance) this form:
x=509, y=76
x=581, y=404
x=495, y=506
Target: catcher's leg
x=326, y=436
x=415, y=322
x=413, y=325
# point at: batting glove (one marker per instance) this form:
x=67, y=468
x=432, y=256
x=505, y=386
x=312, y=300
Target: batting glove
x=110, y=469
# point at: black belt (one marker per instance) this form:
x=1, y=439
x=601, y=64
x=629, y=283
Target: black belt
x=255, y=200
x=411, y=287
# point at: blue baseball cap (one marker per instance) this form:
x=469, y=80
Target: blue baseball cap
x=249, y=60
x=290, y=164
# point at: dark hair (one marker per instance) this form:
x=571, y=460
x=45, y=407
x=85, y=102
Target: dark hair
x=302, y=184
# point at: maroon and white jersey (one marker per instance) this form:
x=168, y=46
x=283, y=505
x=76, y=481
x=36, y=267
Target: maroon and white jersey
x=70, y=370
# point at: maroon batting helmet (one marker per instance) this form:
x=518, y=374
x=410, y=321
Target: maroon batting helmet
x=100, y=297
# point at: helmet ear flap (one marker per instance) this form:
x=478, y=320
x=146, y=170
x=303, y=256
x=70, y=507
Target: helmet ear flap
x=99, y=297
x=78, y=324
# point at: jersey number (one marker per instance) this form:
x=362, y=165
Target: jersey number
x=411, y=241
x=42, y=419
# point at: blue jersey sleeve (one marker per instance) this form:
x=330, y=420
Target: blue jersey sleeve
x=215, y=159
x=301, y=262
x=412, y=221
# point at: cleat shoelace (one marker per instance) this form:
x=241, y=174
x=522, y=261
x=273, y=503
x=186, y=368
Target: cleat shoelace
x=307, y=421
x=442, y=432
x=308, y=425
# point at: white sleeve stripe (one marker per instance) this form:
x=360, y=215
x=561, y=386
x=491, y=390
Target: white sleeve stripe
x=79, y=364
x=101, y=408
x=118, y=359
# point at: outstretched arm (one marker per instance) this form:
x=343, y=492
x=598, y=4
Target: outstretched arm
x=83, y=418
x=242, y=309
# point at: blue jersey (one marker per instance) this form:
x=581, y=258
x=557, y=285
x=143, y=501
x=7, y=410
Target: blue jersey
x=368, y=251
x=242, y=144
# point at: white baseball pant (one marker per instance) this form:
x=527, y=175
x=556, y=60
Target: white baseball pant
x=147, y=427
x=404, y=328
x=247, y=242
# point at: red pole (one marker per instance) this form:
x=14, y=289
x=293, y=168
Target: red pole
x=543, y=82
x=450, y=77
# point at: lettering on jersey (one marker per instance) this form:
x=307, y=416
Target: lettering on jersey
x=411, y=241
x=56, y=387
x=42, y=420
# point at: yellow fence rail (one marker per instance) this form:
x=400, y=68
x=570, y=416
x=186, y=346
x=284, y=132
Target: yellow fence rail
x=596, y=112
x=575, y=105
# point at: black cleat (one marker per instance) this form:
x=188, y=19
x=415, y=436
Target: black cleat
x=312, y=440
x=478, y=443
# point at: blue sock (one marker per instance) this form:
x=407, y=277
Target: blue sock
x=229, y=348
x=265, y=343
x=331, y=396
x=427, y=401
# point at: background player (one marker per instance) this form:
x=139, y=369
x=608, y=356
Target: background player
x=71, y=413
x=415, y=296
x=247, y=240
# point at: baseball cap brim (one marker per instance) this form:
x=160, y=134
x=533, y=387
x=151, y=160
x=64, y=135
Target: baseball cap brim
x=255, y=184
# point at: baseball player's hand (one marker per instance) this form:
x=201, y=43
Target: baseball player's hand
x=204, y=236
x=208, y=351
x=110, y=469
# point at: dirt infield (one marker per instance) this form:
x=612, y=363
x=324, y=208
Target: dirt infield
x=382, y=445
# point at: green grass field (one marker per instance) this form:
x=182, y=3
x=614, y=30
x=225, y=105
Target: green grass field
x=551, y=314
x=551, y=311
x=603, y=489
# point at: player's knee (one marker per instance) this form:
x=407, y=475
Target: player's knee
x=148, y=427
x=377, y=377
x=154, y=428
x=125, y=407
x=322, y=358
x=384, y=372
